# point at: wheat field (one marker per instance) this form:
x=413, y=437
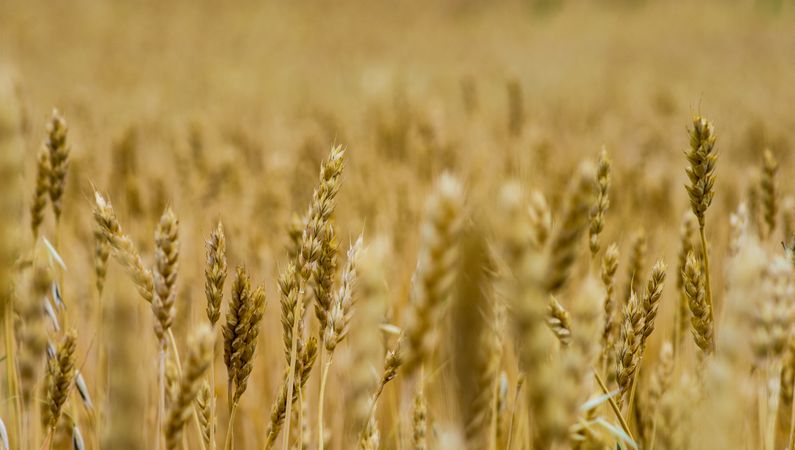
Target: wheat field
x=505, y=225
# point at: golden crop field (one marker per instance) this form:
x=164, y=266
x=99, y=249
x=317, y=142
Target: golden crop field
x=510, y=225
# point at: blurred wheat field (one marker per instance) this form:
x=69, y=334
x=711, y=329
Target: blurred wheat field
x=397, y=225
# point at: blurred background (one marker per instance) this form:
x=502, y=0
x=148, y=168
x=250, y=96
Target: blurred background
x=224, y=110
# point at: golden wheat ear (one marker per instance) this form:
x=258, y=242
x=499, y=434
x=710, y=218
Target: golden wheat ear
x=59, y=151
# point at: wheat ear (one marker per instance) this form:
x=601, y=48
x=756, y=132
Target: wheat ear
x=564, y=244
x=701, y=310
x=769, y=192
x=59, y=160
x=629, y=345
x=434, y=275
x=42, y=191
x=602, y=202
x=702, y=157
x=609, y=268
x=123, y=248
x=198, y=361
x=60, y=375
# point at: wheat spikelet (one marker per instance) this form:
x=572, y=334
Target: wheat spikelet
x=629, y=343
x=563, y=246
x=290, y=306
x=204, y=410
x=637, y=258
x=602, y=202
x=768, y=191
x=702, y=157
x=171, y=375
x=165, y=273
x=198, y=361
x=323, y=276
x=123, y=248
x=434, y=275
x=540, y=219
x=101, y=256
x=701, y=319
x=42, y=191
x=60, y=375
x=558, y=321
x=215, y=273
x=339, y=319
x=250, y=336
x=321, y=209
x=651, y=300
x=608, y=274
x=686, y=236
x=236, y=326
x=58, y=149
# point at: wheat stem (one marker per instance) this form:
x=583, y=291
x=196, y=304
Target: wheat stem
x=321, y=396
x=613, y=405
x=230, y=427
